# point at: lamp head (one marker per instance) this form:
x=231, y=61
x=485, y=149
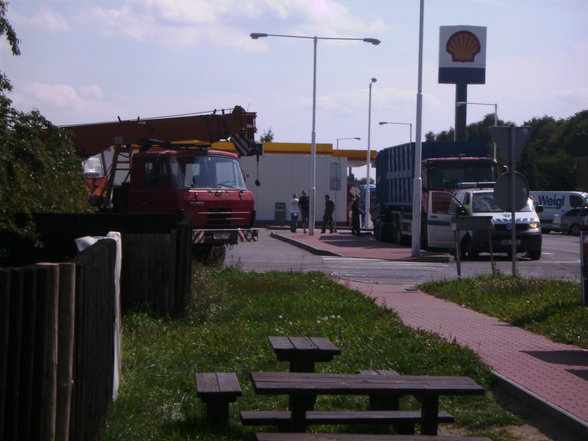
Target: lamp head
x=256, y=35
x=382, y=123
x=374, y=80
x=373, y=41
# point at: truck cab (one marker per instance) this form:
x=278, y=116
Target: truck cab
x=207, y=184
x=480, y=202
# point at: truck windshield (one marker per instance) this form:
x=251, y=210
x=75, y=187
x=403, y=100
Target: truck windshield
x=447, y=176
x=212, y=172
x=485, y=203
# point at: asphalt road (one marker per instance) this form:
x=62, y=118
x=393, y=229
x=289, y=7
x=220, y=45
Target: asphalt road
x=560, y=260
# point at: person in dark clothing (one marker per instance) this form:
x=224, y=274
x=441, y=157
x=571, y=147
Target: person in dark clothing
x=328, y=216
x=304, y=204
x=356, y=213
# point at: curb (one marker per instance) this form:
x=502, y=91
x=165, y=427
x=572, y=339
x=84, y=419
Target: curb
x=547, y=408
x=304, y=246
x=321, y=252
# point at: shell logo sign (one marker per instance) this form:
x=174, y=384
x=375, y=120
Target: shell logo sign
x=462, y=54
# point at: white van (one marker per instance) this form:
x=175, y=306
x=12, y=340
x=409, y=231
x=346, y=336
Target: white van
x=480, y=202
x=556, y=203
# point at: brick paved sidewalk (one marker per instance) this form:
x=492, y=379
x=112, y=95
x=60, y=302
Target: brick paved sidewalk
x=554, y=374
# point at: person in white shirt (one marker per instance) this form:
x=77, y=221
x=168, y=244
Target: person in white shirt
x=294, y=213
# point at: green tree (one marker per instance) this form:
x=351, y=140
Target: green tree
x=268, y=136
x=39, y=168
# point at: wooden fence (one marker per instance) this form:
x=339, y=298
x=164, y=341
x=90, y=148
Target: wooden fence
x=157, y=253
x=57, y=339
x=57, y=320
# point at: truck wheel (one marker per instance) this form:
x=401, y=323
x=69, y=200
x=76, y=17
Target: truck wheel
x=209, y=254
x=535, y=254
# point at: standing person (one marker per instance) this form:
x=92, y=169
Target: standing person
x=294, y=213
x=304, y=204
x=356, y=212
x=328, y=216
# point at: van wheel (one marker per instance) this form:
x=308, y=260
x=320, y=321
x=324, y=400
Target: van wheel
x=467, y=249
x=575, y=230
x=535, y=254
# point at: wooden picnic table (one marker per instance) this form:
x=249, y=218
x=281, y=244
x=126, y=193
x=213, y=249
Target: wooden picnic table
x=302, y=387
x=303, y=352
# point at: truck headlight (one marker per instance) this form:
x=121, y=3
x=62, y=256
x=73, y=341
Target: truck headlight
x=534, y=225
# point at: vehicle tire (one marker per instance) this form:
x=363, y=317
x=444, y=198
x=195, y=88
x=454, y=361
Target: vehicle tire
x=467, y=250
x=575, y=229
x=545, y=230
x=535, y=254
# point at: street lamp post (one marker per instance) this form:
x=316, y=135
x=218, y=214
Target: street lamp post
x=368, y=217
x=404, y=124
x=495, y=105
x=375, y=42
x=418, y=147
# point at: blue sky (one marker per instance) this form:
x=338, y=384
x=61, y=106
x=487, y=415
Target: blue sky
x=89, y=60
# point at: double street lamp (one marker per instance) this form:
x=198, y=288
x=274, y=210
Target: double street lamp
x=375, y=42
x=495, y=105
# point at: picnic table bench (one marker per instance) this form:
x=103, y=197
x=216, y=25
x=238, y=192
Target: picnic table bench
x=217, y=390
x=303, y=352
x=359, y=437
x=302, y=387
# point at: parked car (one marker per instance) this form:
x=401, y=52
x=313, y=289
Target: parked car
x=572, y=221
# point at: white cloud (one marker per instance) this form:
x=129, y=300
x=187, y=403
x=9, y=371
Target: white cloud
x=226, y=23
x=62, y=96
x=45, y=18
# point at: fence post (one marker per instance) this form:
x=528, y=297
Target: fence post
x=65, y=347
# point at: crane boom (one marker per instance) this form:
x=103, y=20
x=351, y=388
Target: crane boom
x=238, y=126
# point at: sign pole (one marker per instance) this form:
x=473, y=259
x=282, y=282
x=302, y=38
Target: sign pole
x=584, y=266
x=513, y=212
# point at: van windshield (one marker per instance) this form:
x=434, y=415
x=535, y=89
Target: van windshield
x=485, y=203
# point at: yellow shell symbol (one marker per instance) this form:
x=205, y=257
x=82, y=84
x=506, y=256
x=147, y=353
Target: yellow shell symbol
x=463, y=46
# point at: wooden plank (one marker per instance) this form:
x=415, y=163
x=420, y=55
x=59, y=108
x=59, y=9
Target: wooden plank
x=263, y=417
x=228, y=383
x=313, y=383
x=5, y=300
x=65, y=347
x=325, y=345
x=266, y=436
x=206, y=383
x=302, y=344
x=280, y=343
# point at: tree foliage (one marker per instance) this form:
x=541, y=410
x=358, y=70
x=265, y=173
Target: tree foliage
x=39, y=168
x=268, y=136
x=549, y=159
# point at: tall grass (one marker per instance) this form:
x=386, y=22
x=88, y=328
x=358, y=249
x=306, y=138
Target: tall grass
x=226, y=330
x=549, y=307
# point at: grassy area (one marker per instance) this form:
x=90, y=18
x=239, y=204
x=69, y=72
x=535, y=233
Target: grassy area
x=549, y=307
x=233, y=313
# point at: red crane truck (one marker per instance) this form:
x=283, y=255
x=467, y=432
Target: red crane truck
x=165, y=165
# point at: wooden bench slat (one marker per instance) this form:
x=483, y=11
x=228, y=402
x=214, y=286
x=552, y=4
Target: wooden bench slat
x=268, y=418
x=359, y=437
x=280, y=343
x=378, y=372
x=303, y=344
x=324, y=344
x=217, y=384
